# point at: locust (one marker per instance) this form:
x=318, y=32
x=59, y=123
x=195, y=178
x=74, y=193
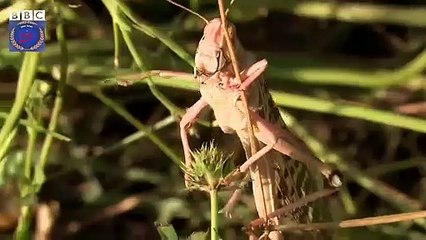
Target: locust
x=277, y=181
x=280, y=170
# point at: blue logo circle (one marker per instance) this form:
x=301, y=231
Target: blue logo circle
x=27, y=35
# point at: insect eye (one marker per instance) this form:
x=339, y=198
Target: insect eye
x=200, y=73
x=197, y=72
x=219, y=61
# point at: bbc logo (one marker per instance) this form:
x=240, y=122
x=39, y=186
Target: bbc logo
x=28, y=15
x=27, y=31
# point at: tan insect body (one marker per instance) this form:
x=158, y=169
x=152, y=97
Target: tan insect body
x=276, y=181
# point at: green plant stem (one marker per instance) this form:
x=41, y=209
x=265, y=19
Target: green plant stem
x=37, y=127
x=138, y=135
x=125, y=32
x=24, y=222
x=5, y=147
x=174, y=110
x=39, y=177
x=387, y=168
x=22, y=231
x=349, y=110
x=154, y=32
x=214, y=234
x=379, y=78
x=25, y=81
x=32, y=137
x=116, y=31
x=138, y=125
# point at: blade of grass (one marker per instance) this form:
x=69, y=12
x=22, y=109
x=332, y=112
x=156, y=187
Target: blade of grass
x=117, y=37
x=346, y=77
x=152, y=31
x=24, y=222
x=38, y=128
x=39, y=176
x=5, y=147
x=25, y=81
x=138, y=135
x=396, y=166
x=138, y=125
x=350, y=110
x=174, y=110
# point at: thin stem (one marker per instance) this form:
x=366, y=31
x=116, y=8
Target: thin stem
x=57, y=106
x=154, y=32
x=173, y=109
x=301, y=202
x=349, y=110
x=137, y=124
x=22, y=230
x=137, y=136
x=25, y=81
x=214, y=235
x=237, y=74
x=387, y=168
x=352, y=223
x=5, y=147
x=116, y=31
x=37, y=127
x=32, y=137
x=124, y=29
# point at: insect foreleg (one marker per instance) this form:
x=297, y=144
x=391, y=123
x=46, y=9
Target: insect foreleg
x=252, y=73
x=186, y=122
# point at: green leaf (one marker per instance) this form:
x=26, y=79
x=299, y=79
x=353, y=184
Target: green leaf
x=167, y=232
x=198, y=236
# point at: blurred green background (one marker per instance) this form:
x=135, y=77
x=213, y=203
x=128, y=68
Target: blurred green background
x=349, y=76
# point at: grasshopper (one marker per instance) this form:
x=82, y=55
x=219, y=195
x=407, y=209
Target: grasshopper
x=277, y=180
x=274, y=178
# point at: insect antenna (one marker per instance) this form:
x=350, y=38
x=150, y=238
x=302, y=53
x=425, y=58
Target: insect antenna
x=189, y=10
x=227, y=9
